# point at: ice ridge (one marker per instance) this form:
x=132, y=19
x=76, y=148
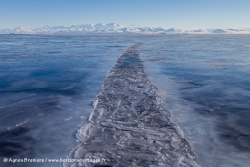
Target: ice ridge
x=129, y=125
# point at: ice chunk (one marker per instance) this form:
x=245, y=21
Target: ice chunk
x=130, y=126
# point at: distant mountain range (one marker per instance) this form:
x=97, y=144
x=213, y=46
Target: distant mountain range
x=116, y=28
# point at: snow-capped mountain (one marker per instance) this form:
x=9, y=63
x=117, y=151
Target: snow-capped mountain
x=115, y=28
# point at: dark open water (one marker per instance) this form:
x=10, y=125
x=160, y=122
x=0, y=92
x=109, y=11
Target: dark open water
x=48, y=85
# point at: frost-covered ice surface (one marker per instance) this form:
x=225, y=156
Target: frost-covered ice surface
x=129, y=125
x=205, y=81
x=47, y=87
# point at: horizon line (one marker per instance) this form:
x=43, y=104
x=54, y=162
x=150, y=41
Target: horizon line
x=132, y=25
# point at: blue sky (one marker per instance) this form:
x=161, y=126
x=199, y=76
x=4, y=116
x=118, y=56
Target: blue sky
x=156, y=13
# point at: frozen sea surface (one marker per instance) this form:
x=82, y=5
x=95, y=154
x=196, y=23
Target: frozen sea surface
x=205, y=81
x=48, y=85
